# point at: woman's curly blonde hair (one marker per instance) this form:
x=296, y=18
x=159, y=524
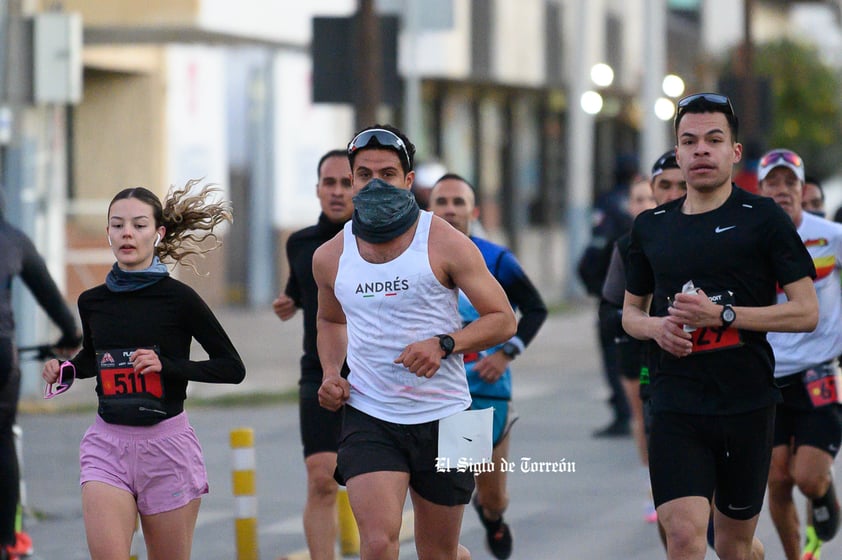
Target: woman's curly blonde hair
x=189, y=219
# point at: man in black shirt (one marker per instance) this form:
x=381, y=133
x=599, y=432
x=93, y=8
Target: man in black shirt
x=319, y=426
x=611, y=220
x=709, y=264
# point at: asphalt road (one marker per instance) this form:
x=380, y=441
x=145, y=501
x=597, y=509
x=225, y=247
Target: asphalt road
x=594, y=512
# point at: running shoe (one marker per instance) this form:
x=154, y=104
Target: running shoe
x=22, y=547
x=617, y=428
x=826, y=514
x=813, y=546
x=498, y=535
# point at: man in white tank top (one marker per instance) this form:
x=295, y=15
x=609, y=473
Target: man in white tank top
x=388, y=289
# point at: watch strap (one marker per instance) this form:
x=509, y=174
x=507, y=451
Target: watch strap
x=446, y=343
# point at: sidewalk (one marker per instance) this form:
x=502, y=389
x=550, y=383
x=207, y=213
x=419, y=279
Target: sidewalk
x=271, y=350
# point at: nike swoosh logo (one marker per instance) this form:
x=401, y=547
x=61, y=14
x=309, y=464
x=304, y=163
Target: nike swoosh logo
x=467, y=438
x=721, y=229
x=732, y=508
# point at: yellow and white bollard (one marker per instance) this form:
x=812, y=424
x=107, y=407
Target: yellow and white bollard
x=349, y=533
x=245, y=496
x=137, y=540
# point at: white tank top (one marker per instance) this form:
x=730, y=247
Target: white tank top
x=389, y=306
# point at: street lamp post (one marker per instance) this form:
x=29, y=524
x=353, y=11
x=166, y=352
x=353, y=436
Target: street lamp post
x=654, y=138
x=580, y=134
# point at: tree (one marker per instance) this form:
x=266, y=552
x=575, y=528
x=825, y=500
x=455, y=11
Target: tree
x=806, y=107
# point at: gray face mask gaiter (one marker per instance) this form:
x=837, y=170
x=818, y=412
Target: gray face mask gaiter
x=383, y=212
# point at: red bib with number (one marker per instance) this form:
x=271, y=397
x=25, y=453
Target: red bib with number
x=821, y=385
x=120, y=381
x=711, y=339
x=118, y=377
x=128, y=397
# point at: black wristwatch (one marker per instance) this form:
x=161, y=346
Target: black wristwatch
x=728, y=315
x=510, y=349
x=446, y=343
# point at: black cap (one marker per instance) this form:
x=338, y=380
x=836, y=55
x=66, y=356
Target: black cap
x=666, y=161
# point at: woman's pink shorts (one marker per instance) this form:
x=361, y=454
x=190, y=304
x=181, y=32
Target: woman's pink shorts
x=161, y=465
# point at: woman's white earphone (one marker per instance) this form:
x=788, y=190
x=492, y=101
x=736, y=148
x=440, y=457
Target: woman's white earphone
x=157, y=239
x=109, y=240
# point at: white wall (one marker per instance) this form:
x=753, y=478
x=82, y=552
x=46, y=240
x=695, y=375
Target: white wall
x=818, y=24
x=443, y=53
x=722, y=25
x=303, y=133
x=196, y=116
x=278, y=20
x=631, y=13
x=519, y=42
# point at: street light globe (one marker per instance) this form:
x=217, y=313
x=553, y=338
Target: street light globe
x=672, y=85
x=591, y=102
x=664, y=108
x=602, y=74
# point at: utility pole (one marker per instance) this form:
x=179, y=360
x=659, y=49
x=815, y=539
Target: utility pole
x=580, y=136
x=412, y=80
x=654, y=133
x=748, y=84
x=27, y=170
x=369, y=60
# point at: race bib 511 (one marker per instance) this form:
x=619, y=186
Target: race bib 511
x=118, y=377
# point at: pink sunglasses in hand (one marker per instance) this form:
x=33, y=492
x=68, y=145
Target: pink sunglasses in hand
x=64, y=381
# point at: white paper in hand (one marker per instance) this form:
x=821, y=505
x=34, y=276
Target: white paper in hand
x=465, y=438
x=688, y=288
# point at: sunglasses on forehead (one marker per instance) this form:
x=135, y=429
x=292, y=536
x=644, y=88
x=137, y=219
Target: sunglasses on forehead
x=781, y=155
x=379, y=137
x=712, y=98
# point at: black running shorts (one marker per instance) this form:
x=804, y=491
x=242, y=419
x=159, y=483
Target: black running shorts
x=703, y=455
x=369, y=445
x=798, y=423
x=319, y=427
x=630, y=356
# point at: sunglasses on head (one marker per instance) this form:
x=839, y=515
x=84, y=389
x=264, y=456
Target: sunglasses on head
x=66, y=375
x=713, y=98
x=781, y=155
x=379, y=137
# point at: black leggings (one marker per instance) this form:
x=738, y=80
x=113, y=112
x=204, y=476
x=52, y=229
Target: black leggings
x=610, y=327
x=9, y=473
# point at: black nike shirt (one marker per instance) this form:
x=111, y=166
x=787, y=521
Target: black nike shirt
x=741, y=250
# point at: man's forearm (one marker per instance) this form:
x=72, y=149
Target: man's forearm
x=637, y=322
x=332, y=345
x=789, y=316
x=487, y=331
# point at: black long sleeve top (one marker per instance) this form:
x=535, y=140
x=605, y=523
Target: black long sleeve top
x=301, y=288
x=20, y=258
x=167, y=316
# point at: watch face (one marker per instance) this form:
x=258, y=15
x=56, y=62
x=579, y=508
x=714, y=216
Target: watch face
x=447, y=343
x=510, y=350
x=728, y=315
